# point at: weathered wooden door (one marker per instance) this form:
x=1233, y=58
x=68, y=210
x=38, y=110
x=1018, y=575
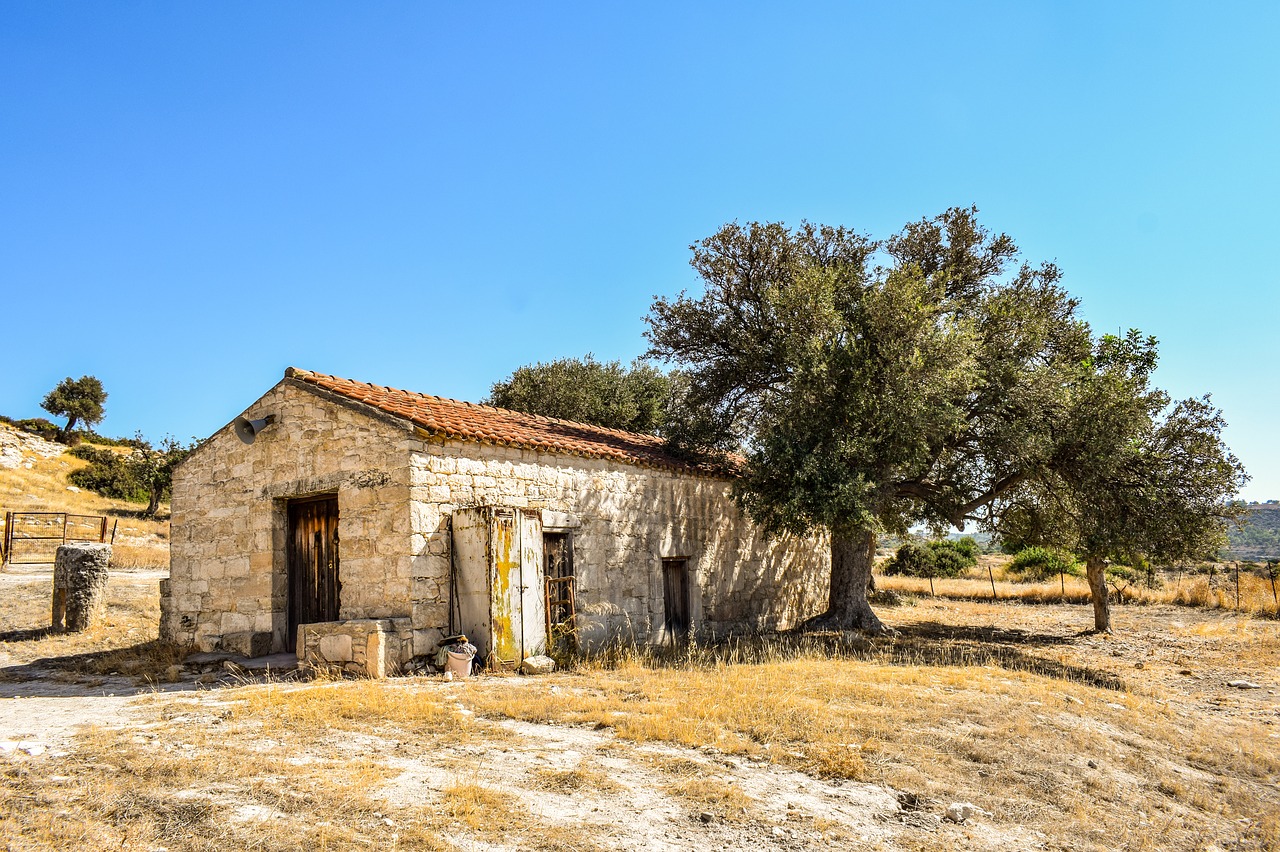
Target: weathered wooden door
x=314, y=586
x=675, y=598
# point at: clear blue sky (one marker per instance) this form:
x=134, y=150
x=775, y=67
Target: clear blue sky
x=195, y=196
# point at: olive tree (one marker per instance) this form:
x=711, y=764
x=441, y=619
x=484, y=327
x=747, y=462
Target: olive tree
x=869, y=385
x=607, y=394
x=1131, y=475
x=77, y=400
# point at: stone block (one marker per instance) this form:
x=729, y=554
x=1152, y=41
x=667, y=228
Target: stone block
x=79, y=586
x=537, y=665
x=336, y=648
x=247, y=643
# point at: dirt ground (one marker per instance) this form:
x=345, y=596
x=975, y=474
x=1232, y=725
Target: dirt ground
x=434, y=765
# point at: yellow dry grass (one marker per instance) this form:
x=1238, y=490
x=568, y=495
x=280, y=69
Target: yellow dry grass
x=140, y=542
x=1200, y=589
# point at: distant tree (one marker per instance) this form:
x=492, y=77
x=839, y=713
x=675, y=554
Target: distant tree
x=605, y=394
x=146, y=473
x=933, y=559
x=1131, y=478
x=77, y=400
x=152, y=468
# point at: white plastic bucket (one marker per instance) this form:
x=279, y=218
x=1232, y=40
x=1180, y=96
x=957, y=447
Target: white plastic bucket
x=459, y=663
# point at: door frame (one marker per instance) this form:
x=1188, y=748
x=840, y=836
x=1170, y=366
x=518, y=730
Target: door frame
x=292, y=614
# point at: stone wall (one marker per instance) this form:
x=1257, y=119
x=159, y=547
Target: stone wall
x=625, y=520
x=228, y=582
x=396, y=488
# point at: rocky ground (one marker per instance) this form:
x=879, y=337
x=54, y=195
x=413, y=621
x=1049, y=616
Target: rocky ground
x=442, y=765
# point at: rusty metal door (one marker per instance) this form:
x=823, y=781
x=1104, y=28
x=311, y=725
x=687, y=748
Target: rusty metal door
x=506, y=592
x=314, y=586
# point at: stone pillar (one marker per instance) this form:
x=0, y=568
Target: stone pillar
x=79, y=586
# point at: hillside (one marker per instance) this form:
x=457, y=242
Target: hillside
x=1259, y=537
x=33, y=478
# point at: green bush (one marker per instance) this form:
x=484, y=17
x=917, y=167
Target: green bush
x=109, y=474
x=1036, y=564
x=933, y=559
x=35, y=425
x=92, y=437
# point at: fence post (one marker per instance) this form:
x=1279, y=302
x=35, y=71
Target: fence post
x=1237, y=586
x=992, y=575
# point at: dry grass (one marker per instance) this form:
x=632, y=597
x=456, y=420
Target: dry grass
x=203, y=790
x=1003, y=732
x=1209, y=587
x=140, y=542
x=122, y=642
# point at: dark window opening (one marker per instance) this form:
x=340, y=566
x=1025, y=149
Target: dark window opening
x=557, y=548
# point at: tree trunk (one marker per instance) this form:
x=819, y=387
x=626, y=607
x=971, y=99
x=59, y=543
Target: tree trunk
x=154, y=505
x=853, y=553
x=1095, y=568
x=64, y=437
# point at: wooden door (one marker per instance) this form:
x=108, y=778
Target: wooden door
x=314, y=586
x=675, y=598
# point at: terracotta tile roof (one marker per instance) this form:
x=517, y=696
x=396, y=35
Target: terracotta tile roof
x=450, y=418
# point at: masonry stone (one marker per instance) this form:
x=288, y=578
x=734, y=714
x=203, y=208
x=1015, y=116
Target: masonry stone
x=396, y=489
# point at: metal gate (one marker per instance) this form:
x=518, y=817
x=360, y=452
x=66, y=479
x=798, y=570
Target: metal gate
x=33, y=538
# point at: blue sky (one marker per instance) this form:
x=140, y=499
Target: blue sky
x=195, y=196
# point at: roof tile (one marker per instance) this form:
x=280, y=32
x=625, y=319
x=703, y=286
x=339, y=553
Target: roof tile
x=451, y=418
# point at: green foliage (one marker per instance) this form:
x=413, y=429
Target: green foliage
x=77, y=400
x=1258, y=536
x=143, y=475
x=933, y=559
x=587, y=391
x=91, y=437
x=36, y=426
x=1037, y=564
x=109, y=474
x=871, y=385
x=1131, y=475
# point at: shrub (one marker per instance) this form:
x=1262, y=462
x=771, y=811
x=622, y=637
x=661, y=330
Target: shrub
x=35, y=425
x=934, y=558
x=109, y=474
x=92, y=437
x=1036, y=564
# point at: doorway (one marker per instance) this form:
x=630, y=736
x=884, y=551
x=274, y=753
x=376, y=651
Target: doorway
x=314, y=586
x=675, y=599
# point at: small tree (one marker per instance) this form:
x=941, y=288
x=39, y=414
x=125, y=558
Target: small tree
x=78, y=400
x=1131, y=476
x=606, y=394
x=152, y=468
x=146, y=473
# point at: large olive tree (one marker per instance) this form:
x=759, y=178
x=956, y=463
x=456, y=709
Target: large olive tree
x=872, y=385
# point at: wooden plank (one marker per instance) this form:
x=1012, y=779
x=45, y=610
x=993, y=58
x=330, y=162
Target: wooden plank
x=314, y=582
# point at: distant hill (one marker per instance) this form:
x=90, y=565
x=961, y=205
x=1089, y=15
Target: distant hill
x=1259, y=537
